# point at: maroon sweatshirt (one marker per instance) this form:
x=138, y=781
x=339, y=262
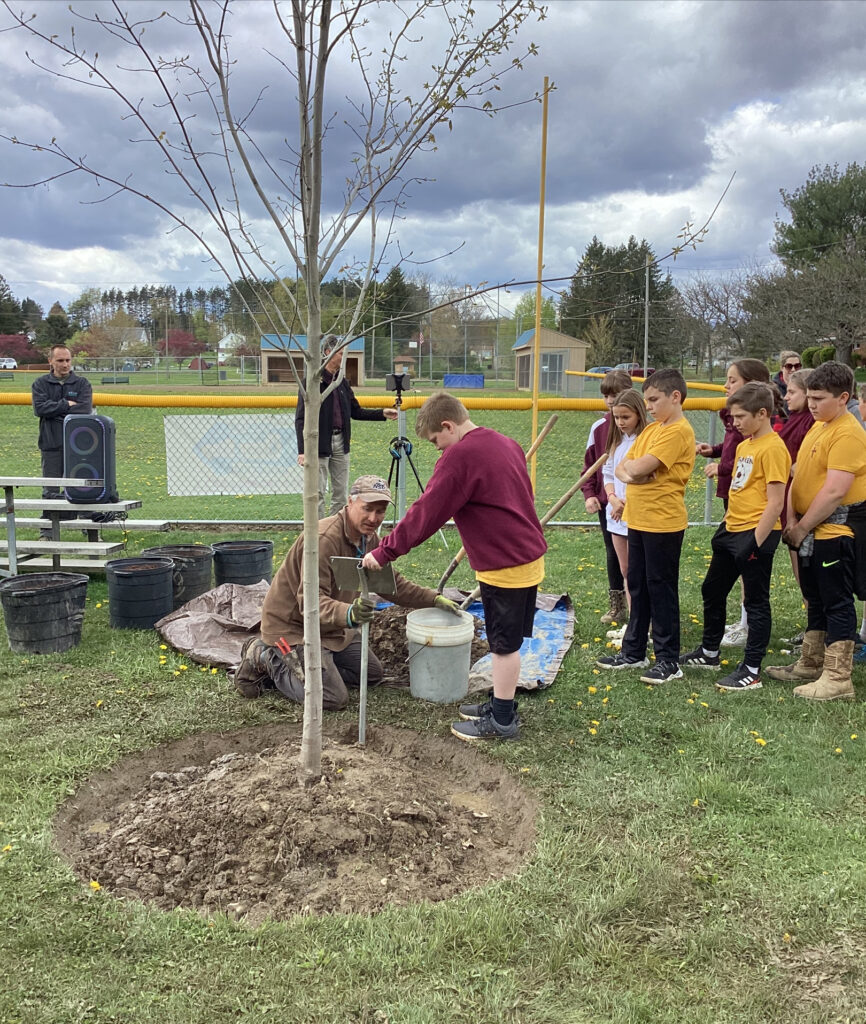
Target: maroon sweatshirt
x=794, y=429
x=482, y=482
x=726, y=453
x=596, y=446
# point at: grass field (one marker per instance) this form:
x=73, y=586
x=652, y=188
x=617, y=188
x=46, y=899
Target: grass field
x=699, y=856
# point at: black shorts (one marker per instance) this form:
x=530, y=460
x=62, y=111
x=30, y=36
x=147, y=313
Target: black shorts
x=509, y=613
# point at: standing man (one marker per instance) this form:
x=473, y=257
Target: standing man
x=54, y=396
x=268, y=663
x=335, y=428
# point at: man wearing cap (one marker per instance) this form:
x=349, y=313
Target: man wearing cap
x=352, y=532
x=338, y=410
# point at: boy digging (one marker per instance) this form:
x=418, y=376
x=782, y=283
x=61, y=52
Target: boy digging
x=829, y=484
x=481, y=480
x=747, y=539
x=656, y=471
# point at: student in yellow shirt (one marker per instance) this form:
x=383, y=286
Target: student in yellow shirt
x=747, y=539
x=829, y=478
x=655, y=470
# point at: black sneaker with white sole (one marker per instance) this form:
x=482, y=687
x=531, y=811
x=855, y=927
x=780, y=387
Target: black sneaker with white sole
x=615, y=661
x=662, y=672
x=698, y=658
x=739, y=681
x=486, y=728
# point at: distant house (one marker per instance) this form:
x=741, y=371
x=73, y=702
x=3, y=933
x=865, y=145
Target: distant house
x=558, y=353
x=405, y=364
x=277, y=349
x=228, y=343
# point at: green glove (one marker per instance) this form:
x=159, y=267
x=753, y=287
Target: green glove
x=361, y=610
x=447, y=606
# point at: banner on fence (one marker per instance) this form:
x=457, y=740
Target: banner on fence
x=234, y=454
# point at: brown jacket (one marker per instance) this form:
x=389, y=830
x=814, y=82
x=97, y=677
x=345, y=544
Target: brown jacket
x=283, y=610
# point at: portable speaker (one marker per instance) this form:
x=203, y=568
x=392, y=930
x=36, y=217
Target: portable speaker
x=88, y=454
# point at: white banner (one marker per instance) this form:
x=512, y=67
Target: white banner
x=232, y=454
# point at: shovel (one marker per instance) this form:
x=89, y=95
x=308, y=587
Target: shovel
x=349, y=574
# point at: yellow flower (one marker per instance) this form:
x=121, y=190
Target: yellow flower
x=853, y=735
x=838, y=750
x=99, y=703
x=680, y=751
x=94, y=885
x=214, y=671
x=608, y=688
x=691, y=700
x=594, y=721
x=786, y=937
x=592, y=689
x=760, y=742
x=7, y=848
x=99, y=604
x=696, y=802
x=604, y=700
x=175, y=673
x=163, y=647
x=596, y=672
x=724, y=661
x=183, y=668
x=596, y=639
x=704, y=704
x=753, y=733
x=584, y=647
x=593, y=732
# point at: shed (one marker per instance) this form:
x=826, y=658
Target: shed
x=559, y=352
x=277, y=349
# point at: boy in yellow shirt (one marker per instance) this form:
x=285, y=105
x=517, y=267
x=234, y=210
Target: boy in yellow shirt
x=829, y=478
x=656, y=471
x=746, y=541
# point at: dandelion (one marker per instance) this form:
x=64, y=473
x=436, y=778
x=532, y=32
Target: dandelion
x=680, y=750
x=163, y=647
x=608, y=688
x=725, y=661
x=761, y=742
x=94, y=885
x=838, y=750
x=696, y=802
x=594, y=721
x=175, y=673
x=99, y=703
x=99, y=604
x=853, y=735
x=592, y=689
x=753, y=733
x=7, y=848
x=691, y=700
x=604, y=700
x=214, y=671
x=786, y=937
x=596, y=672
x=584, y=647
x=596, y=639
x=183, y=668
x=704, y=704
x=593, y=732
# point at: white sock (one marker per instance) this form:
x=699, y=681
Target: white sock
x=743, y=621
x=754, y=671
x=863, y=628
x=709, y=654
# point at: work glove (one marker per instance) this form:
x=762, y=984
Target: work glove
x=361, y=610
x=447, y=606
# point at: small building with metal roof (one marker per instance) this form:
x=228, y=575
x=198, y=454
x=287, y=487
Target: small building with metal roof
x=557, y=353
x=278, y=349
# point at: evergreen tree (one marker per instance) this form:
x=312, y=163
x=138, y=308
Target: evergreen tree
x=11, y=315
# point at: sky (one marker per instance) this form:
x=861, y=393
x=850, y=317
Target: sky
x=654, y=106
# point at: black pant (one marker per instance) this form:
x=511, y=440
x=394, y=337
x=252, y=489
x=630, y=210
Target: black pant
x=614, y=573
x=52, y=465
x=827, y=582
x=653, y=583
x=735, y=555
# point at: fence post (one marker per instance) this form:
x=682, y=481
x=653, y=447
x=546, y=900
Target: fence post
x=711, y=481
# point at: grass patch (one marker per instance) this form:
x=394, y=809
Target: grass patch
x=684, y=872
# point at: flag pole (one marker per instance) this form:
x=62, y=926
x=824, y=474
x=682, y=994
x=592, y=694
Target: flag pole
x=537, y=340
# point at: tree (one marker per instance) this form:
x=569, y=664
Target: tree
x=524, y=312
x=828, y=215
x=194, y=113
x=714, y=306
x=18, y=347
x=11, y=316
x=55, y=329
x=610, y=281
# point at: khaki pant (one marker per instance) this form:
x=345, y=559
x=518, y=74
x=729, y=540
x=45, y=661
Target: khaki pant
x=337, y=466
x=339, y=668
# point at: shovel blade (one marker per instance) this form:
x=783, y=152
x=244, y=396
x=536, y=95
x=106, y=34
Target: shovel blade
x=380, y=581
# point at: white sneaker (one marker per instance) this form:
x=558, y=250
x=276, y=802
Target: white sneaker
x=735, y=636
x=617, y=634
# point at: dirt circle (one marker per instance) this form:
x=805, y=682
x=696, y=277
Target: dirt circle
x=219, y=822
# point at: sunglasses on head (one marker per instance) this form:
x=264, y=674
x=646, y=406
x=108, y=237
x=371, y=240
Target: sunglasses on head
x=793, y=366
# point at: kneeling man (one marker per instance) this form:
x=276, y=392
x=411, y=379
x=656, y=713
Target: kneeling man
x=352, y=532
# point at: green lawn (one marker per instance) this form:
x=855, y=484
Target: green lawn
x=685, y=873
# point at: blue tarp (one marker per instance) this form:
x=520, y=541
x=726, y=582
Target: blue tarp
x=463, y=380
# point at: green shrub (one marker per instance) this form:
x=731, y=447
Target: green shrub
x=808, y=355
x=825, y=354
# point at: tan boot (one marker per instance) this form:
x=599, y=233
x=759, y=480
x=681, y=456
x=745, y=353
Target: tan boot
x=618, y=610
x=834, y=683
x=809, y=665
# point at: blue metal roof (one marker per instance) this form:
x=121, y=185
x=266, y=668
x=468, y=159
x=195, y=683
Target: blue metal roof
x=524, y=339
x=281, y=342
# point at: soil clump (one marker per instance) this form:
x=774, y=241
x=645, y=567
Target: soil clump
x=221, y=823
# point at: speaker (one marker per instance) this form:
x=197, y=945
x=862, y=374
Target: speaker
x=88, y=454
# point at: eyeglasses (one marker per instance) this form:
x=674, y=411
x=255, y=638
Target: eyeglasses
x=793, y=366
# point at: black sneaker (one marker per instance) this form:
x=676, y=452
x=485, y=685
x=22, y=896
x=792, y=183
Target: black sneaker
x=662, y=672
x=486, y=728
x=739, y=681
x=472, y=712
x=698, y=659
x=621, y=661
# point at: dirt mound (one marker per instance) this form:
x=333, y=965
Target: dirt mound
x=388, y=640
x=407, y=818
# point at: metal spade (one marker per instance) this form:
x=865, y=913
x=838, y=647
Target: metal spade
x=350, y=574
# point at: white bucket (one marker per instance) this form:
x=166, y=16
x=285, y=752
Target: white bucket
x=440, y=647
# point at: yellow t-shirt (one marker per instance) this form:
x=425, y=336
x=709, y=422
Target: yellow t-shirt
x=839, y=444
x=515, y=576
x=658, y=506
x=759, y=461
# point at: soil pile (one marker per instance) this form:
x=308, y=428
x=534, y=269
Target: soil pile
x=407, y=818
x=388, y=641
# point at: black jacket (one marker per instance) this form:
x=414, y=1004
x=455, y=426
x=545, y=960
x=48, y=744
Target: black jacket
x=351, y=411
x=51, y=403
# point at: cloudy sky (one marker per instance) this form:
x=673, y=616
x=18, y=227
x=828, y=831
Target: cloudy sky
x=655, y=106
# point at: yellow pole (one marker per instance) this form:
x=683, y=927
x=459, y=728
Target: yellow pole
x=536, y=348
